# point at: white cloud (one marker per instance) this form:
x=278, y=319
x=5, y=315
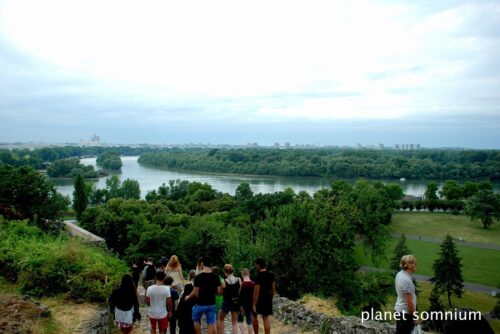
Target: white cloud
x=274, y=60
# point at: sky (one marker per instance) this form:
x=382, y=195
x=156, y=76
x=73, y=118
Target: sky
x=233, y=72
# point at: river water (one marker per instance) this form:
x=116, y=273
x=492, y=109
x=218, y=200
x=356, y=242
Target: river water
x=151, y=178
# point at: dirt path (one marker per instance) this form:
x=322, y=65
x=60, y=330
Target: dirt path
x=277, y=327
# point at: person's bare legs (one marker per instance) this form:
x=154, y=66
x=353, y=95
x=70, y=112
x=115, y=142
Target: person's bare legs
x=267, y=324
x=197, y=327
x=220, y=321
x=255, y=324
x=211, y=329
x=234, y=322
x=241, y=326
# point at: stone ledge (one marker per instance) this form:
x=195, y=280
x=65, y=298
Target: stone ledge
x=296, y=314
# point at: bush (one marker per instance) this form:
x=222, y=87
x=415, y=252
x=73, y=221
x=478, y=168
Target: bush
x=45, y=265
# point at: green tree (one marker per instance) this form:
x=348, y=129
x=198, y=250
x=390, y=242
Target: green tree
x=80, y=196
x=399, y=250
x=27, y=194
x=430, y=191
x=394, y=191
x=451, y=190
x=243, y=192
x=448, y=270
x=109, y=160
x=113, y=186
x=435, y=305
x=484, y=206
x=130, y=189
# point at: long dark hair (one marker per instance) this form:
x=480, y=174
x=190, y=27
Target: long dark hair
x=127, y=285
x=125, y=295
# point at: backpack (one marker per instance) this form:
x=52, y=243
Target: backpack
x=149, y=272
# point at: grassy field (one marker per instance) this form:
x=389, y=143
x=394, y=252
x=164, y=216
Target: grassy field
x=437, y=225
x=479, y=265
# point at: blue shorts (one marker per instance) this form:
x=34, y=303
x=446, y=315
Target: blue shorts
x=199, y=310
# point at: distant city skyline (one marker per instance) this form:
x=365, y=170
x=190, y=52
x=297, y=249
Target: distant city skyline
x=330, y=73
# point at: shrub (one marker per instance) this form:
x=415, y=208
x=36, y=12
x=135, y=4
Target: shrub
x=46, y=265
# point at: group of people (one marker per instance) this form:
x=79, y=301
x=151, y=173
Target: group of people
x=177, y=302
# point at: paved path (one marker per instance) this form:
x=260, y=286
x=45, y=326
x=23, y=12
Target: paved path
x=425, y=278
x=457, y=241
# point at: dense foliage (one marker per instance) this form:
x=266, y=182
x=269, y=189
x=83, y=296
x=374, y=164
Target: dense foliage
x=27, y=194
x=484, y=206
x=477, y=199
x=70, y=168
x=37, y=158
x=309, y=241
x=128, y=189
x=342, y=163
x=109, y=160
x=80, y=196
x=45, y=265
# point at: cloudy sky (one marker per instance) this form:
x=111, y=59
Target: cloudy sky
x=312, y=72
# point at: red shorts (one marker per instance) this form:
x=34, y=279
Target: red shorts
x=162, y=323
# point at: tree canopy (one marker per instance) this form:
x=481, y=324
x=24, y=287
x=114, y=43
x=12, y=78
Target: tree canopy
x=484, y=206
x=344, y=163
x=27, y=194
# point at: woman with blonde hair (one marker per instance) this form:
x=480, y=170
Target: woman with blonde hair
x=406, y=303
x=230, y=299
x=174, y=270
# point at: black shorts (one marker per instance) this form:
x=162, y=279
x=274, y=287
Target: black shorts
x=265, y=308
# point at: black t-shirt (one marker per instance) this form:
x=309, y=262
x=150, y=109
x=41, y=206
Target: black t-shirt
x=265, y=280
x=207, y=284
x=150, y=272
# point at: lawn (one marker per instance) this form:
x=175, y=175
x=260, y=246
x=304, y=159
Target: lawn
x=437, y=225
x=479, y=265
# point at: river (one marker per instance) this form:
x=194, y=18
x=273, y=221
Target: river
x=151, y=178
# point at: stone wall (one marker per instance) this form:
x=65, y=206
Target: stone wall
x=294, y=313
x=79, y=232
x=99, y=323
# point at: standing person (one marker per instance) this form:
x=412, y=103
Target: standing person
x=406, y=303
x=174, y=270
x=148, y=274
x=175, y=297
x=218, y=295
x=124, y=304
x=263, y=293
x=136, y=273
x=205, y=288
x=164, y=260
x=230, y=299
x=160, y=304
x=246, y=299
x=185, y=308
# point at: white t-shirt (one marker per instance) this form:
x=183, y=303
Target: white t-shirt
x=404, y=285
x=158, y=295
